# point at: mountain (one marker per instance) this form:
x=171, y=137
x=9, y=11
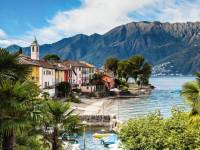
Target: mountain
x=176, y=44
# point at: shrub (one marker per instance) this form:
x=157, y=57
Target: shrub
x=73, y=98
x=154, y=132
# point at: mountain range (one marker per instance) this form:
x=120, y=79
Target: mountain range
x=174, y=46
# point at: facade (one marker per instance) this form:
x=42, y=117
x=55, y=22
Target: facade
x=35, y=74
x=59, y=73
x=35, y=68
x=91, y=69
x=108, y=81
x=88, y=88
x=80, y=72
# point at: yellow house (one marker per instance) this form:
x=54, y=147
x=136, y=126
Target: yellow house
x=59, y=73
x=34, y=76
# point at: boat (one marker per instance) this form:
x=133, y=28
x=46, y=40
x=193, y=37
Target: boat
x=101, y=135
x=109, y=140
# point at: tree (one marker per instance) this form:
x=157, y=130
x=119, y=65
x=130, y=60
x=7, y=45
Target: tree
x=191, y=93
x=51, y=57
x=145, y=74
x=140, y=69
x=11, y=68
x=64, y=88
x=59, y=116
x=16, y=107
x=111, y=64
x=137, y=62
x=96, y=77
x=124, y=69
x=158, y=133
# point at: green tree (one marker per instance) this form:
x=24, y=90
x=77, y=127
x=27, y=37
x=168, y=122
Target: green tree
x=59, y=116
x=11, y=68
x=64, y=88
x=51, y=57
x=145, y=74
x=191, y=93
x=124, y=69
x=16, y=109
x=111, y=64
x=137, y=63
x=157, y=133
x=141, y=70
x=96, y=77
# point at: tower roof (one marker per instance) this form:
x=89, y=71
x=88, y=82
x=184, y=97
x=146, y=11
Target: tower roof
x=35, y=41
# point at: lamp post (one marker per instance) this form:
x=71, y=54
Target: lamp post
x=84, y=137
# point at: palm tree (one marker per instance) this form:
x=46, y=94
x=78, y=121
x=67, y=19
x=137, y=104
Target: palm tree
x=16, y=105
x=59, y=116
x=191, y=93
x=11, y=68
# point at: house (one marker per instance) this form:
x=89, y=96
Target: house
x=59, y=73
x=43, y=73
x=90, y=67
x=108, y=81
x=79, y=72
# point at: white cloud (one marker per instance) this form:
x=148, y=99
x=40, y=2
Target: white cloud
x=102, y=15
x=93, y=16
x=2, y=33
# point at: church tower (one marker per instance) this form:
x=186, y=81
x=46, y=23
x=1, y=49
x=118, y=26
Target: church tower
x=35, y=50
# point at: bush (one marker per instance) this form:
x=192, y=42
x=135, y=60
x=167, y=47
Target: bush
x=121, y=84
x=64, y=88
x=73, y=98
x=154, y=132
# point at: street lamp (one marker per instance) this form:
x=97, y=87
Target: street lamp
x=84, y=138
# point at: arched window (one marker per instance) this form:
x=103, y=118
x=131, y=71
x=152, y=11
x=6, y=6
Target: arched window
x=32, y=49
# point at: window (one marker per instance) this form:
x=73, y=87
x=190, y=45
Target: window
x=45, y=84
x=87, y=87
x=44, y=72
x=32, y=49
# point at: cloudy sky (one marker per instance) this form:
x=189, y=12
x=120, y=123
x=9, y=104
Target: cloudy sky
x=52, y=20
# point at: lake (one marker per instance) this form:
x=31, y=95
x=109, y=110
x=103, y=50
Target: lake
x=165, y=96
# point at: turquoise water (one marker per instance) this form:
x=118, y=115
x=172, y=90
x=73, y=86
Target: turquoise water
x=163, y=98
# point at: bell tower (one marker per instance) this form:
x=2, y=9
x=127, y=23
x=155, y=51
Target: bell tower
x=35, y=50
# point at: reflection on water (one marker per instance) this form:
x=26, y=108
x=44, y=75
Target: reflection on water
x=163, y=98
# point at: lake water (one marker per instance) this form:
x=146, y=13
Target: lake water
x=163, y=98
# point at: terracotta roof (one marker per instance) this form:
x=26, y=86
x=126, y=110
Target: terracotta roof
x=73, y=63
x=40, y=63
x=60, y=66
x=87, y=64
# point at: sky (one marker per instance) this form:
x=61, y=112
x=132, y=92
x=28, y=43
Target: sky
x=52, y=20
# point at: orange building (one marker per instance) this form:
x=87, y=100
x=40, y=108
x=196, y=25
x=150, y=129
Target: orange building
x=108, y=81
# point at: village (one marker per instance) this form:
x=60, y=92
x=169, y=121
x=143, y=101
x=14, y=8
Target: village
x=47, y=75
